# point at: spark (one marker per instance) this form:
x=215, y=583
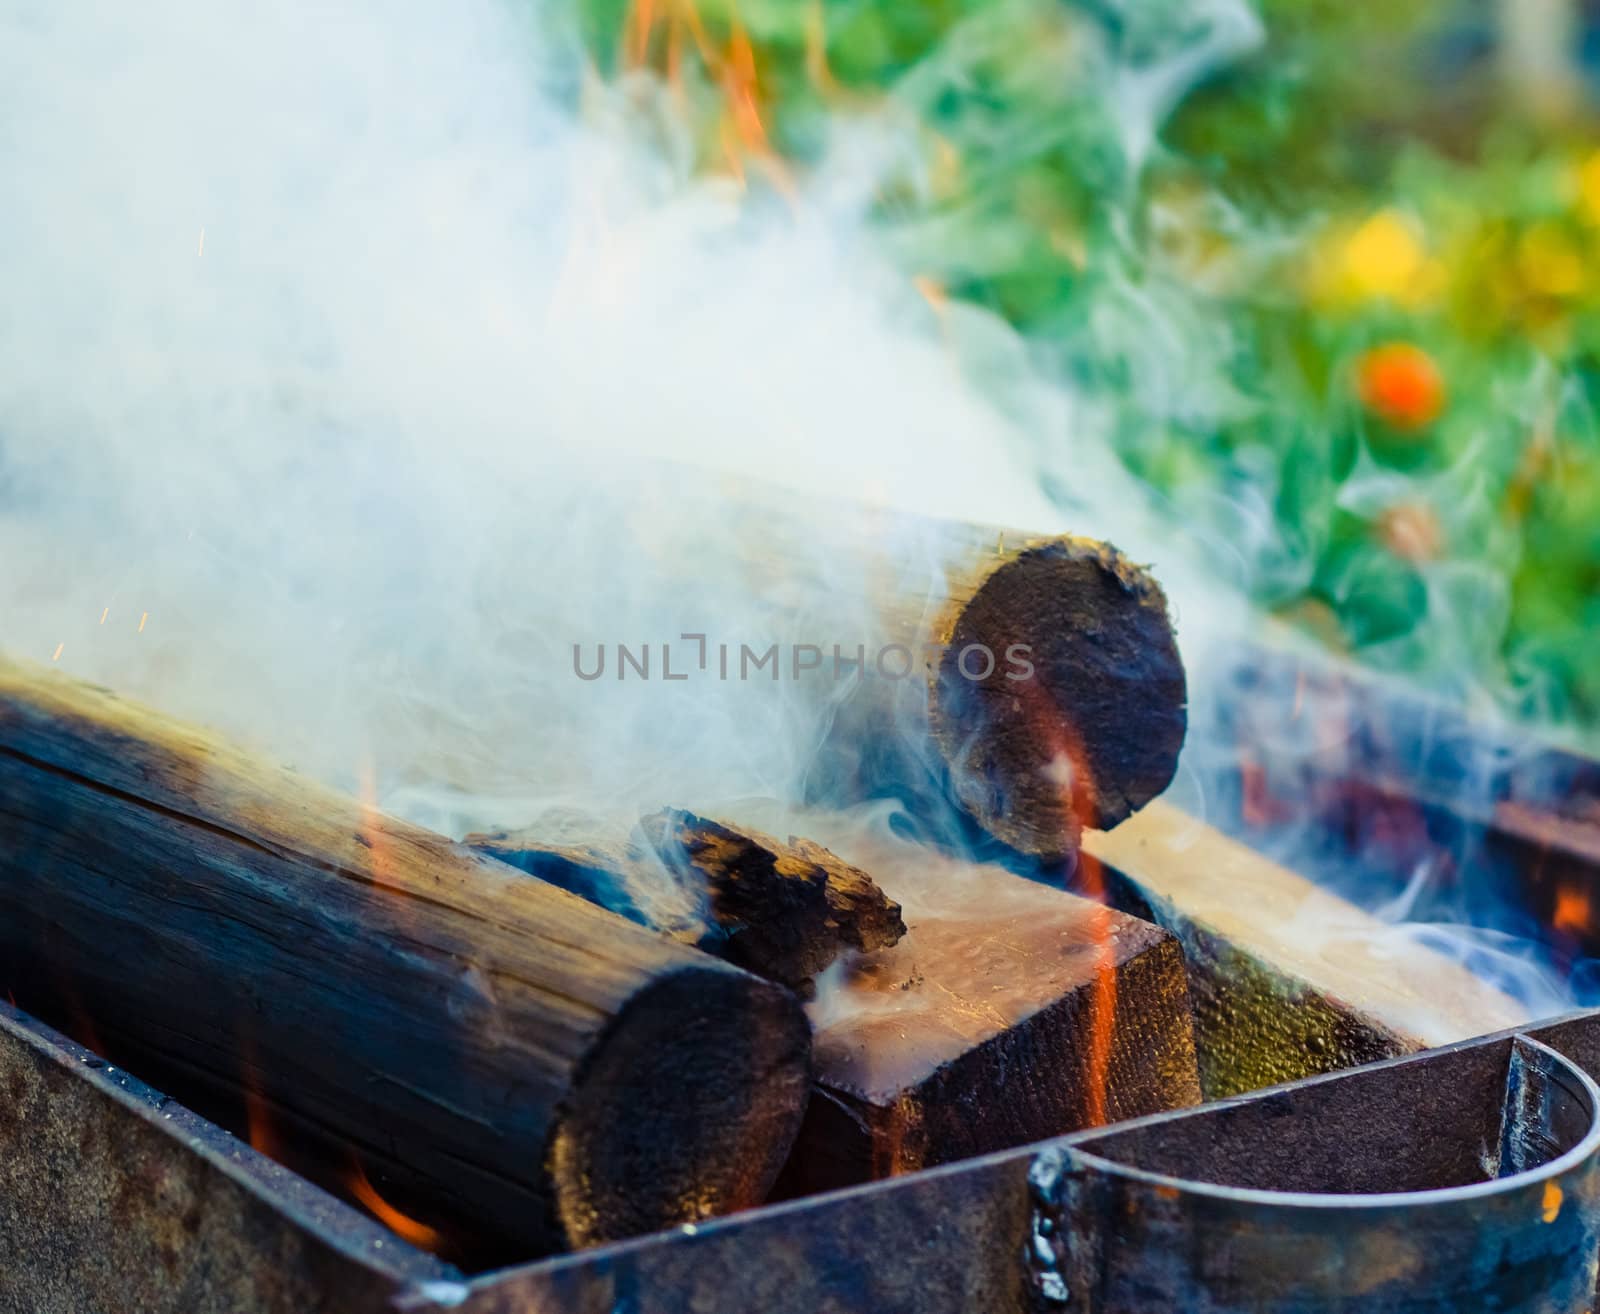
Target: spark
x=142, y=620
x=57, y=656
x=202, y=248
x=104, y=614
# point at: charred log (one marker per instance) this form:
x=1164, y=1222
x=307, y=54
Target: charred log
x=1010, y=1015
x=783, y=909
x=513, y=1059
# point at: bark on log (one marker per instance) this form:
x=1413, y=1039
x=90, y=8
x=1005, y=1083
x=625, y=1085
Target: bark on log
x=1288, y=979
x=784, y=910
x=1034, y=681
x=499, y=1050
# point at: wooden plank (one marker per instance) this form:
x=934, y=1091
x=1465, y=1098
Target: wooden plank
x=1010, y=1012
x=1288, y=980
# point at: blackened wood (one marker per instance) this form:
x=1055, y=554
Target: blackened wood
x=785, y=909
x=1032, y=680
x=1372, y=773
x=516, y=1059
x=1094, y=731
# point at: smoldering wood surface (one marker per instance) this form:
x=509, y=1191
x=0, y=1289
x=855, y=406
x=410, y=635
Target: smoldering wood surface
x=1009, y=1012
x=1090, y=736
x=500, y=1054
x=784, y=909
x=1288, y=979
x=1369, y=770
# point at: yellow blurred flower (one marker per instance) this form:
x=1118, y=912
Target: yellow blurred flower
x=1589, y=188
x=1384, y=257
x=1550, y=262
x=944, y=168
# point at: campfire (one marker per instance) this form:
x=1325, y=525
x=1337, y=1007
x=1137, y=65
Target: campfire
x=583, y=1029
x=579, y=734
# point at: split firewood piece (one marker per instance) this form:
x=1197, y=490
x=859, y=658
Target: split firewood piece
x=1010, y=1012
x=505, y=1058
x=1288, y=979
x=783, y=909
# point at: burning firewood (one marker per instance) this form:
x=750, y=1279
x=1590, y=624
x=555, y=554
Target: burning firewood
x=501, y=1055
x=1056, y=697
x=1038, y=676
x=1288, y=979
x=1095, y=733
x=785, y=910
x=1008, y=1012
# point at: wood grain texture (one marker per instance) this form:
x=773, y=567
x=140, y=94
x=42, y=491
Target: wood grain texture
x=499, y=1052
x=1009, y=1013
x=1288, y=979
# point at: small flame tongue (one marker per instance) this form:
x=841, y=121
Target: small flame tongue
x=402, y=1225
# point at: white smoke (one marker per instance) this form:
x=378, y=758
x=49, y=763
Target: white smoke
x=339, y=343
x=329, y=326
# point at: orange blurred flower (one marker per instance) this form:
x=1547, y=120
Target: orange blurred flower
x=1400, y=384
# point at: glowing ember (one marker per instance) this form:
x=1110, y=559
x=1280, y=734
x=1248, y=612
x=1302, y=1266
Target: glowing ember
x=1572, y=912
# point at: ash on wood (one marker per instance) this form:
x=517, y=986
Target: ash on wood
x=1009, y=1013
x=783, y=909
x=509, y=1057
x=1288, y=979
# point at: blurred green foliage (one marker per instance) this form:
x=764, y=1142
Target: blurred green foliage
x=1208, y=217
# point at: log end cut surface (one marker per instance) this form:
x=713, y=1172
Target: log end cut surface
x=1094, y=733
x=625, y=1161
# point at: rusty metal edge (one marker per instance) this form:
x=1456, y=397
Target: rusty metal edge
x=309, y=1213
x=867, y=1229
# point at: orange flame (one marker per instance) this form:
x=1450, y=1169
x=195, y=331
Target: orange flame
x=402, y=1225
x=1070, y=763
x=260, y=1129
x=637, y=29
x=372, y=832
x=1572, y=910
x=744, y=133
